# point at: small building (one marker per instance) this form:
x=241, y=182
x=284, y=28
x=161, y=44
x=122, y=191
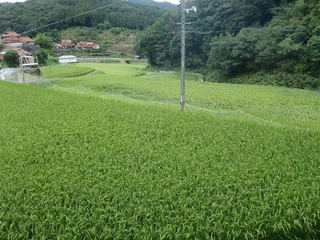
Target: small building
x=66, y=41
x=9, y=35
x=136, y=57
x=13, y=39
x=68, y=59
x=87, y=45
x=65, y=44
x=20, y=51
x=27, y=61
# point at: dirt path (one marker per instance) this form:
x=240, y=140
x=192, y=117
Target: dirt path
x=59, y=79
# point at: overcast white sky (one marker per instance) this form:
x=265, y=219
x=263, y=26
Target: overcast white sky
x=172, y=1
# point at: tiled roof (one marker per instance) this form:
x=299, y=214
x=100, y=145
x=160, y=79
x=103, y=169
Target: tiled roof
x=11, y=41
x=10, y=34
x=18, y=50
x=20, y=40
x=26, y=39
x=86, y=46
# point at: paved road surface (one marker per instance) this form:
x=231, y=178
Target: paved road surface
x=15, y=75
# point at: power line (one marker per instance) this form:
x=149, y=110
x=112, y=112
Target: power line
x=66, y=19
x=245, y=29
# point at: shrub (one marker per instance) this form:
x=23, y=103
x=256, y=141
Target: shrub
x=11, y=58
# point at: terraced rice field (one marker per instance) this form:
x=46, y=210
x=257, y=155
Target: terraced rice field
x=109, y=156
x=64, y=71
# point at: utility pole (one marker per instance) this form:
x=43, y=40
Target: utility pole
x=21, y=68
x=183, y=23
x=183, y=54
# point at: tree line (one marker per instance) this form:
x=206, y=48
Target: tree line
x=231, y=38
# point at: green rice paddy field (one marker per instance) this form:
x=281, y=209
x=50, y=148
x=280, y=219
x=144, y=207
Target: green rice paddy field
x=109, y=156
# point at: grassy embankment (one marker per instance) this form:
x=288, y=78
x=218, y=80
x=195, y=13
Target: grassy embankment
x=106, y=160
x=65, y=71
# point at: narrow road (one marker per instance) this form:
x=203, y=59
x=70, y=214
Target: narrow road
x=15, y=75
x=9, y=73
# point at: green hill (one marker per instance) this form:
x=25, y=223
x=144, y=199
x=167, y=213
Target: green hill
x=165, y=5
x=268, y=39
x=30, y=15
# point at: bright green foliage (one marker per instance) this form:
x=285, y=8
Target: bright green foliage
x=56, y=71
x=11, y=58
x=103, y=165
x=42, y=56
x=44, y=41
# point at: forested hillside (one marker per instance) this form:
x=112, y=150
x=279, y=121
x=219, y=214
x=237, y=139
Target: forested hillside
x=5, y=3
x=22, y=17
x=231, y=38
x=165, y=5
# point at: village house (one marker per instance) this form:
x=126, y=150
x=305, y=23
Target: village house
x=68, y=59
x=20, y=51
x=68, y=44
x=13, y=39
x=9, y=35
x=87, y=45
x=65, y=44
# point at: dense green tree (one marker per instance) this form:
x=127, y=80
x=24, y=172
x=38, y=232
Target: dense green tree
x=289, y=43
x=153, y=43
x=11, y=58
x=42, y=56
x=44, y=41
x=213, y=18
x=1, y=46
x=232, y=37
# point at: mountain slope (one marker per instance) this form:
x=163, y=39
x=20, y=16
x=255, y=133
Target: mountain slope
x=231, y=38
x=165, y=5
x=22, y=17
